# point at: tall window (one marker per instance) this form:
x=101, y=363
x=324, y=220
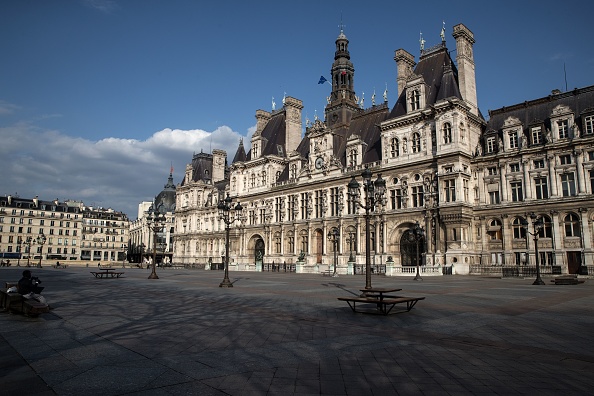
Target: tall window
x=542, y=191
x=563, y=126
x=449, y=190
x=415, y=100
x=466, y=190
x=253, y=180
x=277, y=242
x=334, y=204
x=514, y=167
x=304, y=241
x=494, y=230
x=572, y=225
x=519, y=228
x=447, y=133
x=568, y=184
x=490, y=144
x=592, y=181
x=304, y=199
x=589, y=125
x=396, y=198
x=547, y=230
x=263, y=178
x=516, y=190
x=293, y=207
x=394, y=147
x=536, y=135
x=416, y=142
x=513, y=139
x=353, y=157
x=278, y=209
x=417, y=196
x=493, y=197
x=565, y=159
x=262, y=216
x=319, y=202
x=291, y=244
x=293, y=171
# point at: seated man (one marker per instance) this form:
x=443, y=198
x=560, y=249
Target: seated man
x=27, y=284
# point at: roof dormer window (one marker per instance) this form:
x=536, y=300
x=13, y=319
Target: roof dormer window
x=415, y=100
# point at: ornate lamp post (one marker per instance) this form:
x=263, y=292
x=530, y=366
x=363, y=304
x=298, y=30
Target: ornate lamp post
x=538, y=225
x=142, y=246
x=41, y=241
x=20, y=244
x=374, y=196
x=418, y=234
x=28, y=242
x=334, y=236
x=228, y=214
x=155, y=220
x=124, y=255
x=350, y=240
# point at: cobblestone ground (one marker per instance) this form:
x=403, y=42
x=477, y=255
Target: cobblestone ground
x=285, y=333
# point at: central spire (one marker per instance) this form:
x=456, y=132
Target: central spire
x=342, y=71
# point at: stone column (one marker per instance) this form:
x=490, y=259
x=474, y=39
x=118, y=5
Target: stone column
x=527, y=180
x=579, y=168
x=552, y=175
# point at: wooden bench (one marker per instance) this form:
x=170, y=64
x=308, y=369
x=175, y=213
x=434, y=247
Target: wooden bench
x=107, y=274
x=383, y=306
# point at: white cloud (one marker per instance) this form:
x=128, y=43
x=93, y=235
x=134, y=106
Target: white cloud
x=7, y=108
x=105, y=6
x=112, y=172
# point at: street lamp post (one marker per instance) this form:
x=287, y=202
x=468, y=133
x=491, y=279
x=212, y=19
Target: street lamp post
x=28, y=242
x=141, y=261
x=228, y=214
x=334, y=236
x=20, y=243
x=374, y=196
x=417, y=231
x=351, y=239
x=124, y=256
x=41, y=241
x=155, y=220
x=538, y=225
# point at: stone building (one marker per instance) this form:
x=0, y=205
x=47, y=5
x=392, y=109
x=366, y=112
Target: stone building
x=38, y=231
x=141, y=247
x=471, y=184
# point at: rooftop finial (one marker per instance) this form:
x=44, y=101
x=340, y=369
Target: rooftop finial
x=341, y=26
x=442, y=34
x=422, y=41
x=273, y=104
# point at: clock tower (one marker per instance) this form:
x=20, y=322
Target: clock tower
x=342, y=102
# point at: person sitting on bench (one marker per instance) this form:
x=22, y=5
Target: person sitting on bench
x=28, y=287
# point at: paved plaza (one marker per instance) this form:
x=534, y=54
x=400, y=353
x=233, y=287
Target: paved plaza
x=287, y=334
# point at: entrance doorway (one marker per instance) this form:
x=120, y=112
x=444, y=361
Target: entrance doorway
x=319, y=245
x=574, y=262
x=259, y=254
x=408, y=249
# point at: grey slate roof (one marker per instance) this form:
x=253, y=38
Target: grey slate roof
x=439, y=73
x=539, y=110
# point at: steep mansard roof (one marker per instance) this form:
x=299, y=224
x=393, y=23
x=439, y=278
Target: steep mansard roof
x=440, y=75
x=274, y=136
x=539, y=110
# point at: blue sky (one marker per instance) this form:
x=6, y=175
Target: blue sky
x=99, y=97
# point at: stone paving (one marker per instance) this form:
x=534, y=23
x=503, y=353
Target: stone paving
x=287, y=334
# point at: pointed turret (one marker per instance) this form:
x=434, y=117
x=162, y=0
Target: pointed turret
x=240, y=155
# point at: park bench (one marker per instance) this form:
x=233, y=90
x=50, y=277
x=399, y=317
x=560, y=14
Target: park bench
x=106, y=274
x=15, y=302
x=382, y=306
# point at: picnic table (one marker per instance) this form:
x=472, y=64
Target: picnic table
x=106, y=272
x=381, y=298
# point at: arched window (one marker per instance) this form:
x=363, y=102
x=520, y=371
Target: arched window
x=494, y=230
x=416, y=142
x=447, y=133
x=547, y=230
x=572, y=225
x=519, y=227
x=394, y=147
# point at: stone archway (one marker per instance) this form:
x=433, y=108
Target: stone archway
x=257, y=248
x=408, y=249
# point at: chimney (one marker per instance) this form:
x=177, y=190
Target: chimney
x=404, y=68
x=293, y=123
x=262, y=118
x=465, y=59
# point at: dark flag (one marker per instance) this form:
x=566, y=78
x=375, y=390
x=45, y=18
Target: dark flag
x=322, y=80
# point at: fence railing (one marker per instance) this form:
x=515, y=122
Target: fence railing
x=511, y=271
